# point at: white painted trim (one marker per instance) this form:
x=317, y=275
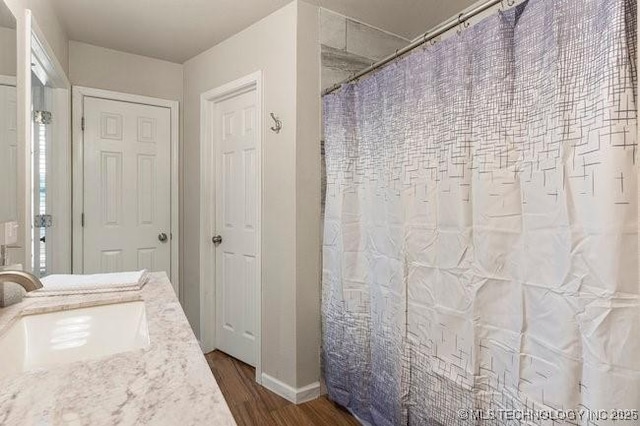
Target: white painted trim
x=207, y=210
x=43, y=56
x=61, y=188
x=79, y=93
x=77, y=162
x=207, y=219
x=24, y=156
x=8, y=80
x=297, y=396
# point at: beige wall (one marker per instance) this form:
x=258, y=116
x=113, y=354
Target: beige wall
x=308, y=163
x=8, y=58
x=101, y=68
x=291, y=286
x=268, y=45
x=48, y=22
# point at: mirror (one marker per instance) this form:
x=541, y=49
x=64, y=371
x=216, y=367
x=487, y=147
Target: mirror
x=50, y=192
x=8, y=119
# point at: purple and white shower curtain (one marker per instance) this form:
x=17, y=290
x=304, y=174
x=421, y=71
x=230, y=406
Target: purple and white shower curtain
x=481, y=225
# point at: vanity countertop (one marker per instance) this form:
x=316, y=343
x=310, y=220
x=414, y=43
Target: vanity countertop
x=168, y=383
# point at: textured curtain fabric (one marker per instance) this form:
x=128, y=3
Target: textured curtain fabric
x=480, y=238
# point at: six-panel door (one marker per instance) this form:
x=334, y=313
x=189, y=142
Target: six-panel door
x=236, y=201
x=127, y=186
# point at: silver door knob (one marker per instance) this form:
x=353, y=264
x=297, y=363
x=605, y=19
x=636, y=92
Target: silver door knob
x=163, y=237
x=216, y=240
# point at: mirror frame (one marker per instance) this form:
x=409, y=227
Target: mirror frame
x=35, y=52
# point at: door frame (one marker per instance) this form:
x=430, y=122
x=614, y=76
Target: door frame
x=208, y=209
x=79, y=93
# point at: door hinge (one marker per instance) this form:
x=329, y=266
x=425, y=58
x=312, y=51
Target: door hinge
x=42, y=117
x=43, y=221
x=82, y=220
x=82, y=123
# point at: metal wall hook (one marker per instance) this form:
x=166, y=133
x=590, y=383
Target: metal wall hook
x=278, y=125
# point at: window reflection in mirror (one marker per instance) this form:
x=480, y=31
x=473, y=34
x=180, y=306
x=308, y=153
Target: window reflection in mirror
x=41, y=149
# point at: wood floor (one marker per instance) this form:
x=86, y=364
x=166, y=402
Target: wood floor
x=253, y=405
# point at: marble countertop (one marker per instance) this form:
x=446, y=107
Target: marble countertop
x=168, y=383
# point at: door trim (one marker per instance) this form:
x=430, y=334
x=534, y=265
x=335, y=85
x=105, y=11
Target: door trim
x=79, y=93
x=207, y=210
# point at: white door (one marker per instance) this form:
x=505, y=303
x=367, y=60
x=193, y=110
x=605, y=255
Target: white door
x=127, y=186
x=236, y=223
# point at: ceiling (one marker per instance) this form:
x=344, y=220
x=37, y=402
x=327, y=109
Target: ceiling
x=176, y=30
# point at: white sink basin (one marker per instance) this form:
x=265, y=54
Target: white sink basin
x=65, y=336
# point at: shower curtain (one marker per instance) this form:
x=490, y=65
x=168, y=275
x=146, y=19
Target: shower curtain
x=480, y=240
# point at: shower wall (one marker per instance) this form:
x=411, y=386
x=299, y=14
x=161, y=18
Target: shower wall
x=349, y=46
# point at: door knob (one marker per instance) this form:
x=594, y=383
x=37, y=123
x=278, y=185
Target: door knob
x=163, y=237
x=216, y=240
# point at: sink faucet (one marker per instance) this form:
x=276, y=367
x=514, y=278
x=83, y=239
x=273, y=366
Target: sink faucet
x=28, y=281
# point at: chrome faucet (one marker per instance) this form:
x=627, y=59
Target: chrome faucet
x=28, y=281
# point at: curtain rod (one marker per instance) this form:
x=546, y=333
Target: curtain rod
x=419, y=41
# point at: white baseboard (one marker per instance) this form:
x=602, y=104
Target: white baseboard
x=297, y=396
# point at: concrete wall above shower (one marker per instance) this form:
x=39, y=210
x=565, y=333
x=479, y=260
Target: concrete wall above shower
x=349, y=46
